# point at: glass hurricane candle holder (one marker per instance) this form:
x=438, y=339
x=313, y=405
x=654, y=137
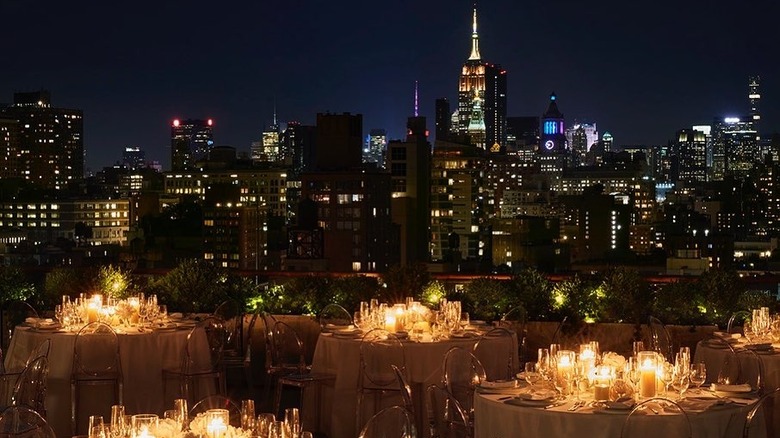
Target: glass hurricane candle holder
x=603, y=376
x=217, y=421
x=564, y=370
x=647, y=362
x=143, y=425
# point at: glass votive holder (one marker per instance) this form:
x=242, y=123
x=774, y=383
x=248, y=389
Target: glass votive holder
x=647, y=364
x=217, y=421
x=602, y=380
x=143, y=425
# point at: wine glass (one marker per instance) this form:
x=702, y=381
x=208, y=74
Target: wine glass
x=680, y=379
x=96, y=424
x=264, y=422
x=667, y=374
x=698, y=374
x=531, y=374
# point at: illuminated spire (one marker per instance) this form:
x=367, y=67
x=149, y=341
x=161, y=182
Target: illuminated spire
x=416, y=108
x=474, y=39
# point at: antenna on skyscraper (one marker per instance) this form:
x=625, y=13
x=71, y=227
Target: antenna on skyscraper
x=275, y=111
x=416, y=107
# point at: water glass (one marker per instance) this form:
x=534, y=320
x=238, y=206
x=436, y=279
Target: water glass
x=248, y=414
x=276, y=430
x=117, y=420
x=95, y=422
x=292, y=419
x=264, y=422
x=180, y=406
x=531, y=374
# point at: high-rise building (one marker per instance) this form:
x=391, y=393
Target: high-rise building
x=581, y=137
x=553, y=150
x=522, y=133
x=133, y=158
x=443, y=119
x=754, y=98
x=297, y=143
x=409, y=163
x=339, y=139
x=481, y=99
x=735, y=148
x=9, y=148
x=50, y=144
x=375, y=147
x=689, y=150
x=191, y=141
x=458, y=216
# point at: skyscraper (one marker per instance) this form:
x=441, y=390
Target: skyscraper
x=9, y=148
x=191, y=141
x=481, y=98
x=443, y=118
x=553, y=150
x=754, y=98
x=690, y=155
x=50, y=145
x=375, y=147
x=133, y=157
x=734, y=147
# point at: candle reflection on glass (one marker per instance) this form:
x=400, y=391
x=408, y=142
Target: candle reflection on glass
x=217, y=422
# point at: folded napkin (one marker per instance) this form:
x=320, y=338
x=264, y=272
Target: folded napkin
x=727, y=335
x=31, y=320
x=722, y=387
x=544, y=394
x=693, y=404
x=499, y=384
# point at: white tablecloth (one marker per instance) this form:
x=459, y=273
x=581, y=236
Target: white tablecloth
x=341, y=357
x=494, y=418
x=714, y=354
x=143, y=356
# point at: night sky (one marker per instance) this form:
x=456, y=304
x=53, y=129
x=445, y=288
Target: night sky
x=640, y=70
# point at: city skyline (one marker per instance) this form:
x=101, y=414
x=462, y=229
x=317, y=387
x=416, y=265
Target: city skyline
x=639, y=73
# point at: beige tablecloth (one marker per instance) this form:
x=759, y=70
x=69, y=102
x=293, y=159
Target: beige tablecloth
x=494, y=418
x=341, y=357
x=143, y=356
x=714, y=354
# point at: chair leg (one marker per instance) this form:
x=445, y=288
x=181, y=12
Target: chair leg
x=73, y=389
x=277, y=398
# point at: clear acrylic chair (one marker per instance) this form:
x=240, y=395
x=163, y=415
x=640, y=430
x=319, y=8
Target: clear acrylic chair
x=515, y=319
x=487, y=347
x=742, y=367
x=463, y=372
x=231, y=314
x=95, y=362
x=23, y=422
x=289, y=365
x=30, y=388
x=557, y=336
x=392, y=422
x=12, y=314
x=446, y=418
x=379, y=351
x=763, y=419
x=217, y=402
x=660, y=339
x=192, y=367
x=676, y=424
x=243, y=360
x=406, y=390
x=8, y=378
x=737, y=321
x=333, y=316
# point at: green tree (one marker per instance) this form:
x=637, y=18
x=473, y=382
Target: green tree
x=485, y=299
x=14, y=285
x=533, y=291
x=626, y=295
x=722, y=289
x=400, y=282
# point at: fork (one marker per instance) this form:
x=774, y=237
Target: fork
x=577, y=404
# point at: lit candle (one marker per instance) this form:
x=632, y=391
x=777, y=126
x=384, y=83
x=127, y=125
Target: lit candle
x=601, y=380
x=216, y=428
x=144, y=433
x=135, y=305
x=92, y=311
x=399, y=319
x=390, y=323
x=564, y=368
x=648, y=374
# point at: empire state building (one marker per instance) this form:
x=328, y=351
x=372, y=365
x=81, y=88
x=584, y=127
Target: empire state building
x=481, y=109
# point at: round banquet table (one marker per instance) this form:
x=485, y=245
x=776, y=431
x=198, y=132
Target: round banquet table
x=143, y=356
x=341, y=357
x=494, y=418
x=713, y=354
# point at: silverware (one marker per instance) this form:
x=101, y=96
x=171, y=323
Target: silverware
x=577, y=404
x=556, y=404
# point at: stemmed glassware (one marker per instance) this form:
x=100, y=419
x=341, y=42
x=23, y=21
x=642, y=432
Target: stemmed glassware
x=680, y=379
x=698, y=374
x=531, y=374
